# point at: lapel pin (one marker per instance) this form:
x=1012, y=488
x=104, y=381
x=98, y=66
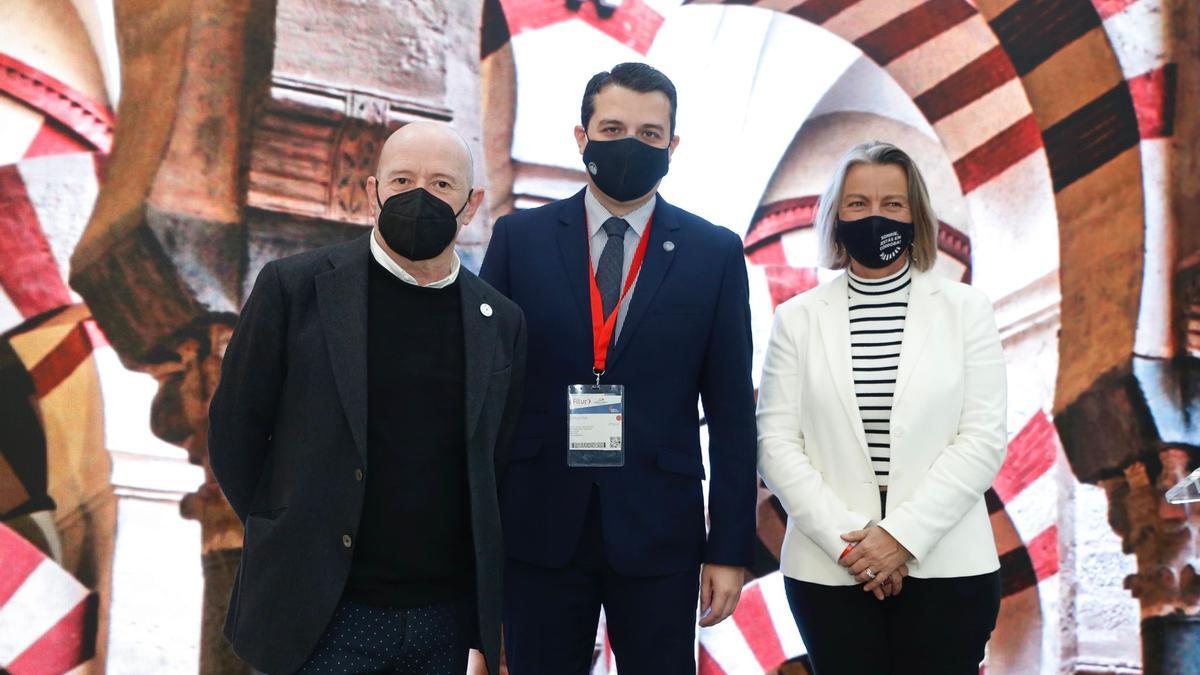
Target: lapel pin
x=485, y=309
x=668, y=246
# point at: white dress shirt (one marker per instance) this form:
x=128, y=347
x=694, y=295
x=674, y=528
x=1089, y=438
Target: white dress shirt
x=637, y=219
x=400, y=273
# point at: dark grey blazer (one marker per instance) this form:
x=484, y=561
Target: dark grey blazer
x=288, y=445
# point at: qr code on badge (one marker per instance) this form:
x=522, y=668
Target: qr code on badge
x=614, y=442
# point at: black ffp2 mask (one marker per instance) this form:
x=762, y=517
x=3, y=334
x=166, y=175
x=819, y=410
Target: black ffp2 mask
x=875, y=241
x=417, y=225
x=627, y=168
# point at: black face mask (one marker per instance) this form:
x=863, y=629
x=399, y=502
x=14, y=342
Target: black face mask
x=417, y=225
x=625, y=169
x=875, y=241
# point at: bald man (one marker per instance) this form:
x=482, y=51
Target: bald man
x=366, y=404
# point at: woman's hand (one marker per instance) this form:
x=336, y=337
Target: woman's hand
x=877, y=551
x=895, y=583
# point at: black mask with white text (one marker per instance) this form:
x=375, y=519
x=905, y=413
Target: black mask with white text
x=417, y=225
x=875, y=241
x=627, y=168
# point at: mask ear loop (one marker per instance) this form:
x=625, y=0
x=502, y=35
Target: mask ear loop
x=464, y=206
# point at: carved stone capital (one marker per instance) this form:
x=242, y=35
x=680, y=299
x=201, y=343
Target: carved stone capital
x=1162, y=536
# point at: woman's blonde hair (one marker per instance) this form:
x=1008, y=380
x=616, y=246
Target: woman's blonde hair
x=832, y=254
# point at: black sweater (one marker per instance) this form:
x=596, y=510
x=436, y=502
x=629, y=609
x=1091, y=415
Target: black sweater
x=414, y=540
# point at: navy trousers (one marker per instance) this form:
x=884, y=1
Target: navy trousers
x=551, y=615
x=365, y=639
x=934, y=626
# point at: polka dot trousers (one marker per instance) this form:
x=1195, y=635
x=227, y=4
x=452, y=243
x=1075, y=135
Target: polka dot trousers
x=365, y=639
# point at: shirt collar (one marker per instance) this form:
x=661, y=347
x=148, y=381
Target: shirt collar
x=400, y=273
x=597, y=214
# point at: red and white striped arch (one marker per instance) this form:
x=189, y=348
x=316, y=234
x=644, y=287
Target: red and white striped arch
x=47, y=618
x=47, y=190
x=71, y=120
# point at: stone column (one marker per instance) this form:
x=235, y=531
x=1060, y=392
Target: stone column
x=1164, y=539
x=1132, y=433
x=180, y=414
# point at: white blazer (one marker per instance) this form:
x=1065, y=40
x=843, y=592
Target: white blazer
x=948, y=432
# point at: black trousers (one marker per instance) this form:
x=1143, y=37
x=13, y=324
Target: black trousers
x=933, y=627
x=550, y=615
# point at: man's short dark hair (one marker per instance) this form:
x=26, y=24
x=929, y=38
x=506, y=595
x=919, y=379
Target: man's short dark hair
x=636, y=76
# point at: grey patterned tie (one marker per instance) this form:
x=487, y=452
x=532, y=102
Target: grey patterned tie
x=612, y=264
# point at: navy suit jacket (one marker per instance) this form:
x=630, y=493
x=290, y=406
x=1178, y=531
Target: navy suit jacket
x=686, y=337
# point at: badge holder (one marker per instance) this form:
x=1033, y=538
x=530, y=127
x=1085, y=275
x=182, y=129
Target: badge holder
x=596, y=429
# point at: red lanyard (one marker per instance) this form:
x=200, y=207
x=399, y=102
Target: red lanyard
x=602, y=328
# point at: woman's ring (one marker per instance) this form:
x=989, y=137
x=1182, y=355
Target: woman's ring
x=870, y=574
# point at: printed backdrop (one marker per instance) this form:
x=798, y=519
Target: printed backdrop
x=152, y=161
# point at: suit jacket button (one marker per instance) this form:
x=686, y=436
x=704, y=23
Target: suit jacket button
x=358, y=474
x=346, y=541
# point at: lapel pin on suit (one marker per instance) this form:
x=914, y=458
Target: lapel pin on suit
x=485, y=309
x=668, y=246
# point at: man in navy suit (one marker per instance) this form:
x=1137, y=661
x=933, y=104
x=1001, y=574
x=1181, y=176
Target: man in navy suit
x=673, y=288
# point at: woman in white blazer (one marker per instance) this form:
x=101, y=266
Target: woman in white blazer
x=881, y=422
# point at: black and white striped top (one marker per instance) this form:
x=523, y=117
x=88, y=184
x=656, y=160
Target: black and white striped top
x=877, y=311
